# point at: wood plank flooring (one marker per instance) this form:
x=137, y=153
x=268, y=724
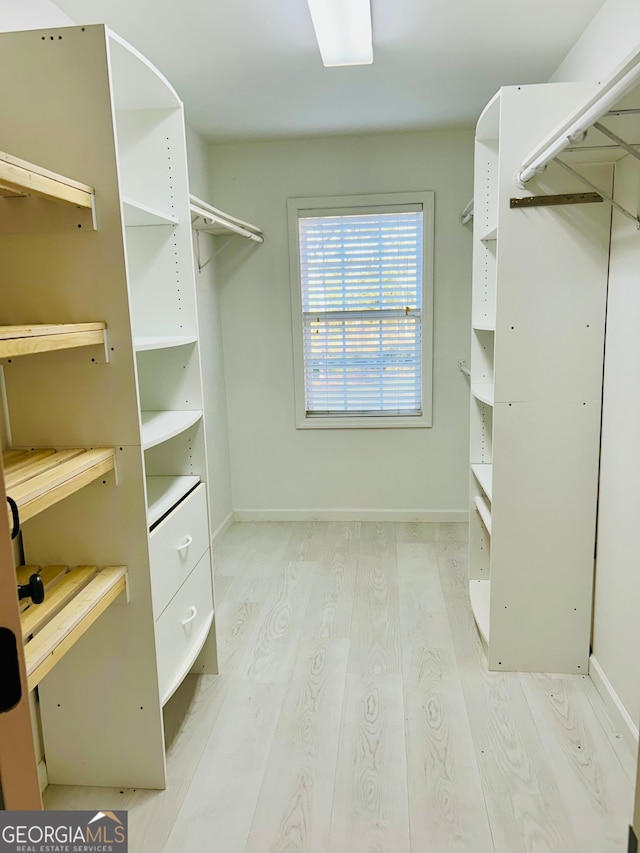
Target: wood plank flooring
x=354, y=713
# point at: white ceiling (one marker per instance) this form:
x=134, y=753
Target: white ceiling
x=251, y=68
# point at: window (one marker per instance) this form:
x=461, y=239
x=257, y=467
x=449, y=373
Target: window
x=361, y=277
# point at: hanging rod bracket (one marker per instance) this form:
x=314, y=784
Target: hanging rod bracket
x=554, y=200
x=600, y=192
x=618, y=141
x=202, y=264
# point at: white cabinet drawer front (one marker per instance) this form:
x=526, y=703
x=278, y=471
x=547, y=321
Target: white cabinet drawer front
x=183, y=628
x=176, y=545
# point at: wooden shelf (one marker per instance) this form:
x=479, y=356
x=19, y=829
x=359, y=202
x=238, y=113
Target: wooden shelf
x=480, y=595
x=163, y=493
x=19, y=177
x=161, y=426
x=484, y=475
x=37, y=479
x=74, y=598
x=26, y=340
x=485, y=512
x=483, y=392
x=144, y=344
x=137, y=214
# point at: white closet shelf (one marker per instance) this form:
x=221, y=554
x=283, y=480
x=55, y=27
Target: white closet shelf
x=163, y=493
x=20, y=178
x=484, y=475
x=144, y=344
x=484, y=512
x=483, y=392
x=480, y=595
x=484, y=326
x=205, y=217
x=158, y=427
x=491, y=235
x=37, y=479
x=137, y=214
x=74, y=598
x=26, y=340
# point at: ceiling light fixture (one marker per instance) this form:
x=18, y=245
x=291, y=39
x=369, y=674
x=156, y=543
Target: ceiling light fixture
x=343, y=30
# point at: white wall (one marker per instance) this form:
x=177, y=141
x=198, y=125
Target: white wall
x=612, y=35
x=609, y=38
x=31, y=15
x=276, y=468
x=211, y=352
x=198, y=160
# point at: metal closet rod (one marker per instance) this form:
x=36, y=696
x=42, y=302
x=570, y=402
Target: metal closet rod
x=225, y=223
x=206, y=211
x=622, y=82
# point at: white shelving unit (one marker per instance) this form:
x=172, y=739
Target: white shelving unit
x=486, y=326
x=143, y=344
x=136, y=214
x=490, y=235
x=38, y=479
x=163, y=493
x=483, y=392
x=119, y=126
x=538, y=311
x=480, y=595
x=158, y=427
x=484, y=476
x=484, y=512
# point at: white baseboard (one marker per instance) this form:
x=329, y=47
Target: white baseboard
x=43, y=777
x=621, y=719
x=406, y=515
x=222, y=528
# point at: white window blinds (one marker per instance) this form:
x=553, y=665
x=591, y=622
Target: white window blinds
x=361, y=280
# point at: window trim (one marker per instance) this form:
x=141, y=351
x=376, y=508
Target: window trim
x=326, y=206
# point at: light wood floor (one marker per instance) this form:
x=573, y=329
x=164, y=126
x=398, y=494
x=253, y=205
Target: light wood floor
x=354, y=714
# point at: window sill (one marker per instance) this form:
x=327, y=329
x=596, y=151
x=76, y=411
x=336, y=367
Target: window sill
x=364, y=422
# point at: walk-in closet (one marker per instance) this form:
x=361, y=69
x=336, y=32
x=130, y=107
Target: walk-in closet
x=318, y=426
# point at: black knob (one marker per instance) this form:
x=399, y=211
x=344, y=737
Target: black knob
x=15, y=517
x=33, y=590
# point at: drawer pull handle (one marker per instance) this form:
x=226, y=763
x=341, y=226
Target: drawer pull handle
x=185, y=544
x=194, y=613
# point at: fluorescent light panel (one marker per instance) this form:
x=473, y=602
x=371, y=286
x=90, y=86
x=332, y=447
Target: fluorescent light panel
x=343, y=30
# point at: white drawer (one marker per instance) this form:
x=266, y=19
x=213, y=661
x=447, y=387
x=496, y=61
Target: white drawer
x=183, y=628
x=176, y=545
